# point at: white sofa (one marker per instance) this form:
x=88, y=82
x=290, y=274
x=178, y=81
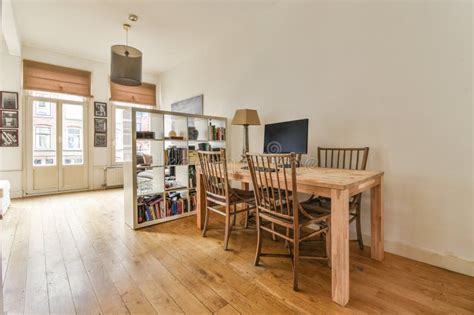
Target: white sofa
x=4, y=196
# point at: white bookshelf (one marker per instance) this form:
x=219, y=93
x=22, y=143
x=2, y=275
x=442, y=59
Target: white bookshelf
x=162, y=190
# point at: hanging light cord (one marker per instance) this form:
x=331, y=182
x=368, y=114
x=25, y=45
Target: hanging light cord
x=126, y=27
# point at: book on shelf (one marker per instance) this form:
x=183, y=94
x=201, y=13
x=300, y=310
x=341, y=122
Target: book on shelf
x=216, y=133
x=175, y=156
x=149, y=208
x=192, y=176
x=193, y=201
x=176, y=204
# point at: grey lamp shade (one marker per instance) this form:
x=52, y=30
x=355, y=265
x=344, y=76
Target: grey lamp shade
x=126, y=65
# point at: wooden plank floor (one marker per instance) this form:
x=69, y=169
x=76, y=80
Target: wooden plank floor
x=72, y=253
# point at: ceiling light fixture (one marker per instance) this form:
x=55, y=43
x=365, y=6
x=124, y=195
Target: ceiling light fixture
x=126, y=61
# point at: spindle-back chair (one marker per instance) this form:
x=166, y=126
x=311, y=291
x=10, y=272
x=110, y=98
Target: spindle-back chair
x=343, y=158
x=220, y=197
x=278, y=209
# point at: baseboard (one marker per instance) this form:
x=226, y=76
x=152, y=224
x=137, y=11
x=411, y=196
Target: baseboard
x=448, y=262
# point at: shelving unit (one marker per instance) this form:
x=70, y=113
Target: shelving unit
x=160, y=154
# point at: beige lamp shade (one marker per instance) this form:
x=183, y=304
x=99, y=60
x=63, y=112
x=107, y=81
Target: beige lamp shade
x=246, y=117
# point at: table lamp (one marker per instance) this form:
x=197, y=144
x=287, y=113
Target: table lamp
x=245, y=117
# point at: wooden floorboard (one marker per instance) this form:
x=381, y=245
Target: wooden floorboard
x=72, y=253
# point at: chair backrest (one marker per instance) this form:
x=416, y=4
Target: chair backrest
x=346, y=158
x=214, y=171
x=274, y=184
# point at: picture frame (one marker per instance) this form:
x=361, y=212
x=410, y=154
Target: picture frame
x=192, y=105
x=8, y=138
x=9, y=100
x=9, y=119
x=100, y=140
x=100, y=125
x=100, y=109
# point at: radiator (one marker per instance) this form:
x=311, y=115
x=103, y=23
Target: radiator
x=113, y=176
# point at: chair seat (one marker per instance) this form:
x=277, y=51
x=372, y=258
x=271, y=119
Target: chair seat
x=240, y=195
x=323, y=203
x=315, y=215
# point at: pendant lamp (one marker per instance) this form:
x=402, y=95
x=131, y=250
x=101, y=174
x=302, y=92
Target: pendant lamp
x=126, y=63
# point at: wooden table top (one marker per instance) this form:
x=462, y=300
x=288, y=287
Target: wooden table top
x=315, y=176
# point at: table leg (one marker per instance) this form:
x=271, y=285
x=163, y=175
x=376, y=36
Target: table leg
x=201, y=201
x=340, y=245
x=376, y=221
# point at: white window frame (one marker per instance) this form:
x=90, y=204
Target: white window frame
x=36, y=148
x=80, y=135
x=123, y=105
x=41, y=115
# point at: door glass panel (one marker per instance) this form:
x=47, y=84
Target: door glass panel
x=73, y=134
x=44, y=133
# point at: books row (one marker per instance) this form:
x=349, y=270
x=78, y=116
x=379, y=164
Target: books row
x=157, y=207
x=175, y=156
x=216, y=133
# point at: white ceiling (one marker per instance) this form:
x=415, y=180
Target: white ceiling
x=167, y=32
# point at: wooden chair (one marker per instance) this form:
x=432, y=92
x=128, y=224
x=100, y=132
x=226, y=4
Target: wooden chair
x=220, y=197
x=278, y=209
x=344, y=158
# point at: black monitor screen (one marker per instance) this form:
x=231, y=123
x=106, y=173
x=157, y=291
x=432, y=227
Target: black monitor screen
x=286, y=137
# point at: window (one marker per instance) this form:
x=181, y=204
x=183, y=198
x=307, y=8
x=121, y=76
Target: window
x=143, y=123
x=74, y=138
x=43, y=138
x=42, y=109
x=73, y=128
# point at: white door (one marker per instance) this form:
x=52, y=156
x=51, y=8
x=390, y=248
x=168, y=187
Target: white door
x=56, y=145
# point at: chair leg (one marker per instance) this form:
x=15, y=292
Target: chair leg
x=227, y=228
x=296, y=256
x=206, y=219
x=328, y=243
x=259, y=242
x=247, y=214
x=359, y=229
x=235, y=215
x=273, y=235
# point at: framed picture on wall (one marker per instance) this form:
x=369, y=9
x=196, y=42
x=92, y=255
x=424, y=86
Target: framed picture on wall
x=100, y=109
x=9, y=100
x=9, y=119
x=100, y=125
x=100, y=140
x=8, y=137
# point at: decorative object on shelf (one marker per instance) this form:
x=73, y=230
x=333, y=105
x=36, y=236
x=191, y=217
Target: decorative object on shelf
x=204, y=146
x=9, y=119
x=126, y=61
x=192, y=105
x=145, y=135
x=246, y=118
x=100, y=109
x=9, y=100
x=100, y=125
x=100, y=140
x=172, y=134
x=193, y=133
x=8, y=137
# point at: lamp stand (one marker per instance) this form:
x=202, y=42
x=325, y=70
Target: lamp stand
x=245, y=147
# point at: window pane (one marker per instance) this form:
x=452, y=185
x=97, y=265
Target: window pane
x=44, y=133
x=73, y=130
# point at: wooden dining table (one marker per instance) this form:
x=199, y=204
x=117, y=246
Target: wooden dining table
x=339, y=185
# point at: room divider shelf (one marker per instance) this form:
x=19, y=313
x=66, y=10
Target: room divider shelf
x=160, y=153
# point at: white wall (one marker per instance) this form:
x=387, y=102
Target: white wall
x=392, y=76
x=11, y=79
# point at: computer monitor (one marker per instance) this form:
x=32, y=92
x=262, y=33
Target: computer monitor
x=286, y=137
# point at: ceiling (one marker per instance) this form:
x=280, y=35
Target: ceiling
x=167, y=32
